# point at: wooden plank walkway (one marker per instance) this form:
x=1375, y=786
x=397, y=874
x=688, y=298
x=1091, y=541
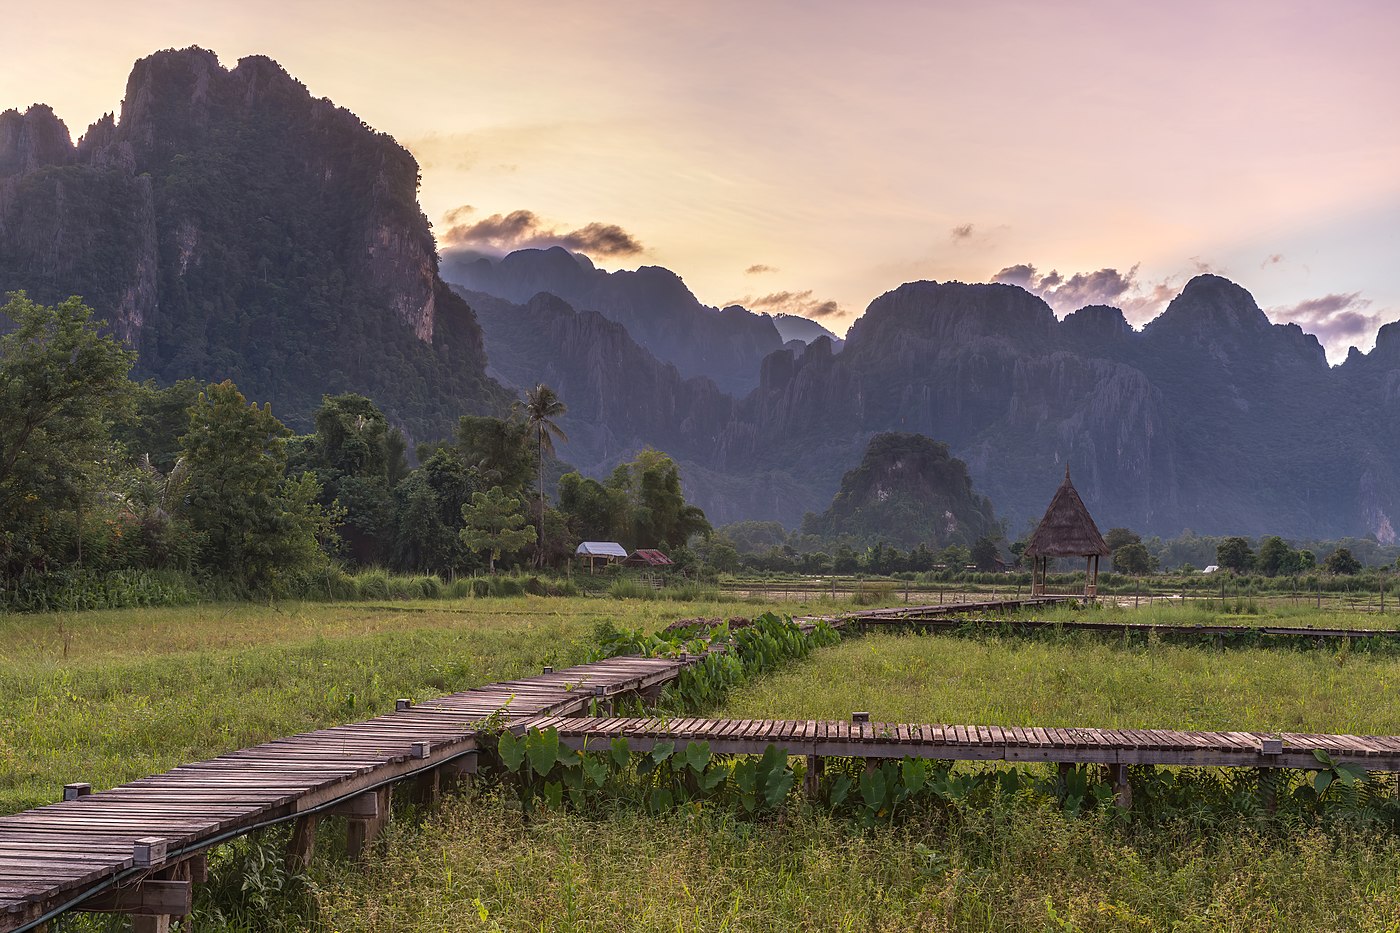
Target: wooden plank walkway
x=53, y=857
x=980, y=743
x=904, y=613
x=942, y=621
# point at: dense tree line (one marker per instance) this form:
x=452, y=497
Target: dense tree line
x=101, y=473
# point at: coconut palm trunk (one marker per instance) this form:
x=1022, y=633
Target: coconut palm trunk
x=540, y=408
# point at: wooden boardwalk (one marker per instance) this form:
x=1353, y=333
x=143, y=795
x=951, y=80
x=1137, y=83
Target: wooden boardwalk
x=919, y=617
x=139, y=848
x=899, y=614
x=91, y=848
x=823, y=738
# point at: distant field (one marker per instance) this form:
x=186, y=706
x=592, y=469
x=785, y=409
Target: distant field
x=1250, y=611
x=1083, y=680
x=107, y=697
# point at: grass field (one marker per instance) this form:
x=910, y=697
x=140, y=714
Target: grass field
x=107, y=697
x=1075, y=679
x=1251, y=611
x=477, y=867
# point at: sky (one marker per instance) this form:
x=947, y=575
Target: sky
x=810, y=156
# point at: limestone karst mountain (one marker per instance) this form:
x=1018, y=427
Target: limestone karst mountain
x=229, y=225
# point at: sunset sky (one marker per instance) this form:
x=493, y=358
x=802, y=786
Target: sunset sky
x=810, y=156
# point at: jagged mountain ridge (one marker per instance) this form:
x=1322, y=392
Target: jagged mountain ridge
x=230, y=225
x=725, y=345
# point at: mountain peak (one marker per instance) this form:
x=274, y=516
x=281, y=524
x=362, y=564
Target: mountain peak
x=1211, y=306
x=32, y=140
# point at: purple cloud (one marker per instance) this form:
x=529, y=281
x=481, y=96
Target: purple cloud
x=501, y=233
x=1336, y=320
x=801, y=304
x=1139, y=301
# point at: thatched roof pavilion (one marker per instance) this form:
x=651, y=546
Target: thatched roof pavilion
x=1067, y=530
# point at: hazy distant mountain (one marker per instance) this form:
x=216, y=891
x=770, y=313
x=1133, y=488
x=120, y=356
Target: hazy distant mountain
x=229, y=225
x=725, y=346
x=793, y=327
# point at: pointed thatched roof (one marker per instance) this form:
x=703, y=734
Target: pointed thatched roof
x=1067, y=530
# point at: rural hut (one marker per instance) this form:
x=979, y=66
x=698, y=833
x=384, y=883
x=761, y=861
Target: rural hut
x=604, y=551
x=647, y=557
x=1067, y=530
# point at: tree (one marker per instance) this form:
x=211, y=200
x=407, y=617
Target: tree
x=1234, y=554
x=1276, y=558
x=541, y=407
x=657, y=513
x=985, y=554
x=355, y=455
x=61, y=383
x=1132, y=558
x=494, y=524
x=1342, y=562
x=256, y=526
x=1119, y=537
x=497, y=451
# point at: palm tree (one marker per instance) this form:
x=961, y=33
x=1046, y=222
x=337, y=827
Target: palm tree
x=540, y=408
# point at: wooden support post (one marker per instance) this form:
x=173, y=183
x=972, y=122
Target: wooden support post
x=1122, y=790
x=150, y=903
x=302, y=847
x=427, y=789
x=367, y=814
x=812, y=780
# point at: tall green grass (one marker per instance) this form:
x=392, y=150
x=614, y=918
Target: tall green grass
x=478, y=866
x=1065, y=680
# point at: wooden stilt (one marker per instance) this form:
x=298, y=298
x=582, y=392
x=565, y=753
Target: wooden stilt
x=1122, y=790
x=812, y=780
x=302, y=847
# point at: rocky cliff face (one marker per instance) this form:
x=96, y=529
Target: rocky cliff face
x=620, y=397
x=724, y=345
x=228, y=224
x=1210, y=418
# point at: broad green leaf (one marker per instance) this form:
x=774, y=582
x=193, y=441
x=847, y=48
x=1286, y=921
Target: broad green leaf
x=662, y=751
x=511, y=750
x=542, y=748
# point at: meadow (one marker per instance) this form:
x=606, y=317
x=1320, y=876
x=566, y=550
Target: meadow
x=109, y=696
x=106, y=697
x=1074, y=679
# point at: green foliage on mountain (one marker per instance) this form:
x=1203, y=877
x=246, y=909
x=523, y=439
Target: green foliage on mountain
x=908, y=490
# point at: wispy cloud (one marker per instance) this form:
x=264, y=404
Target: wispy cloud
x=1139, y=301
x=961, y=232
x=759, y=268
x=501, y=233
x=800, y=303
x=1338, y=321
x=1272, y=259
